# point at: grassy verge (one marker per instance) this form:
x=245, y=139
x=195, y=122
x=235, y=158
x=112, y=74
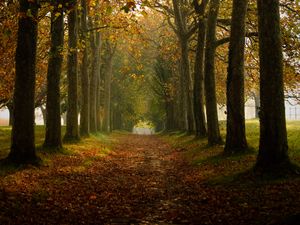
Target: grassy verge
x=89, y=149
x=215, y=165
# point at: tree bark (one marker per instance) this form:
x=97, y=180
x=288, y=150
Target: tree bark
x=183, y=36
x=170, y=121
x=273, y=145
x=72, y=131
x=187, y=84
x=235, y=129
x=43, y=110
x=117, y=118
x=199, y=82
x=182, y=103
x=11, y=113
x=53, y=120
x=23, y=147
x=107, y=90
x=85, y=81
x=256, y=103
x=98, y=104
x=95, y=44
x=213, y=129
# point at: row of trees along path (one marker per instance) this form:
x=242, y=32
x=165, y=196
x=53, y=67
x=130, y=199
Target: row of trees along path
x=273, y=149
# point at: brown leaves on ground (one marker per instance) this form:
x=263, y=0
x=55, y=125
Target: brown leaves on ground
x=143, y=180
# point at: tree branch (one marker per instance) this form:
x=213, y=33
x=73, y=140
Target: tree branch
x=225, y=22
x=227, y=39
x=104, y=27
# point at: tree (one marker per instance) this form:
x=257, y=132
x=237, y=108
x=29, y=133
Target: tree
x=72, y=133
x=23, y=146
x=213, y=129
x=95, y=39
x=199, y=71
x=163, y=87
x=184, y=32
x=53, y=120
x=235, y=128
x=273, y=145
x=8, y=43
x=109, y=53
x=85, y=81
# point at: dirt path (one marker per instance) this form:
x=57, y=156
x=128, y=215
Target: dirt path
x=146, y=169
x=136, y=183
x=143, y=180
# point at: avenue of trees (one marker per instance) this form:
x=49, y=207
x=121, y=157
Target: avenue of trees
x=109, y=64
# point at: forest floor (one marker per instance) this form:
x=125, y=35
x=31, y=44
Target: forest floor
x=131, y=179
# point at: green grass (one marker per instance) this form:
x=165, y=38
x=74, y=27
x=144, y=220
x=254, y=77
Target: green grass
x=198, y=153
x=98, y=145
x=219, y=169
x=195, y=150
x=5, y=139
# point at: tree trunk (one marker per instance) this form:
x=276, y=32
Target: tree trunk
x=44, y=114
x=94, y=81
x=235, y=130
x=98, y=109
x=11, y=113
x=183, y=35
x=117, y=118
x=85, y=82
x=107, y=94
x=72, y=132
x=23, y=147
x=256, y=103
x=170, y=122
x=187, y=84
x=198, y=82
x=213, y=130
x=182, y=112
x=273, y=146
x=53, y=120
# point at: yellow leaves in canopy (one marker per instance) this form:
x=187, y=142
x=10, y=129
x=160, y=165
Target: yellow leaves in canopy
x=125, y=69
x=137, y=77
x=144, y=13
x=144, y=124
x=140, y=67
x=93, y=3
x=109, y=9
x=57, y=14
x=133, y=76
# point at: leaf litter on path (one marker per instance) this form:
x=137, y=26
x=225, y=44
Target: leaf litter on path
x=144, y=180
